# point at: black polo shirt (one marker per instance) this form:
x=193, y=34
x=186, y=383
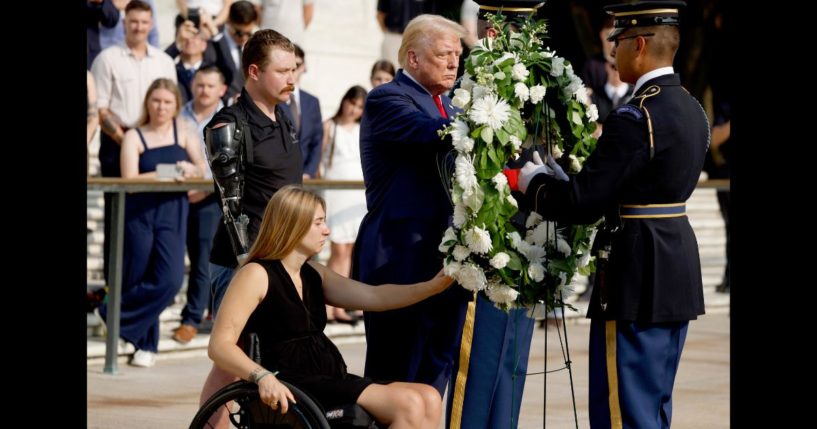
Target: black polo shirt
x=277, y=162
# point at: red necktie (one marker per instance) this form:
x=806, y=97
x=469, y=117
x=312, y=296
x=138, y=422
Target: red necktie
x=438, y=100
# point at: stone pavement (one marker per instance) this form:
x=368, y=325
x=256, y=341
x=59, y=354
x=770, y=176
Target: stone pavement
x=166, y=396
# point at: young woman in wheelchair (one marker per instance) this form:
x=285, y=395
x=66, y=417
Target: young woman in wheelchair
x=280, y=294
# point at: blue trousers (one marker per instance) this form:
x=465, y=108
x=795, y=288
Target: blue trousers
x=220, y=277
x=496, y=372
x=153, y=265
x=202, y=222
x=632, y=371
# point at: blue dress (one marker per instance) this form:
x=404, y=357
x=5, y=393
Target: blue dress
x=153, y=261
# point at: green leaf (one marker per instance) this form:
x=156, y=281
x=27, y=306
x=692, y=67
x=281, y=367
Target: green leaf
x=502, y=135
x=487, y=134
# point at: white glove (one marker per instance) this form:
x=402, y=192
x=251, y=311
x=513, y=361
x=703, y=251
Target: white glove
x=531, y=169
x=557, y=169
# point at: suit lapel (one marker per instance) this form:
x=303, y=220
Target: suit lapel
x=420, y=96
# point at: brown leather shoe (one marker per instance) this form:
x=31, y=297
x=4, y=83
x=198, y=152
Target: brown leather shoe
x=185, y=333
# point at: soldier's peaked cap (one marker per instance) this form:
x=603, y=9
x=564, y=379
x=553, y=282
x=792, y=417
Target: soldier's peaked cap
x=643, y=14
x=509, y=8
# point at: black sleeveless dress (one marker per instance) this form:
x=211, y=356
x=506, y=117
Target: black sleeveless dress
x=291, y=339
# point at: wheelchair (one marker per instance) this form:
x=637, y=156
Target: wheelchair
x=245, y=409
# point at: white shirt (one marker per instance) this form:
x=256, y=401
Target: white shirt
x=122, y=80
x=652, y=74
x=415, y=81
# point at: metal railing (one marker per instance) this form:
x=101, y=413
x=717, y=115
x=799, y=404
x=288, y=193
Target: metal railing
x=120, y=187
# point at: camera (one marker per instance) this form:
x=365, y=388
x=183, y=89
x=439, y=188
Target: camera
x=193, y=15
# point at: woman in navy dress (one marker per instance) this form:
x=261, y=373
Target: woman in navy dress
x=155, y=223
x=280, y=295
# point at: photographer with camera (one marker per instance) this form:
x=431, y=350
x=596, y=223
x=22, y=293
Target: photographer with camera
x=214, y=11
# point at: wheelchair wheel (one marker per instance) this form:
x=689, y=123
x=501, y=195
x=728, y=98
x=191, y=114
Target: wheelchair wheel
x=246, y=410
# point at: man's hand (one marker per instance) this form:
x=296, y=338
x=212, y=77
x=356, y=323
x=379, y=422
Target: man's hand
x=531, y=169
x=557, y=169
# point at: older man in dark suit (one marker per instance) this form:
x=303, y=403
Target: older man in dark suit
x=645, y=167
x=404, y=169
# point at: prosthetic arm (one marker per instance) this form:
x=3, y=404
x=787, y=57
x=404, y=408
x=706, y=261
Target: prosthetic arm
x=225, y=155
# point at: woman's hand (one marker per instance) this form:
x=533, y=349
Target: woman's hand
x=441, y=281
x=275, y=394
x=189, y=170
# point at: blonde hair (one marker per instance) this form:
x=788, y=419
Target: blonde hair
x=423, y=29
x=286, y=221
x=160, y=83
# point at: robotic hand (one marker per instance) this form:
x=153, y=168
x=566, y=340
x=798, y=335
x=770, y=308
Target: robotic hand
x=224, y=153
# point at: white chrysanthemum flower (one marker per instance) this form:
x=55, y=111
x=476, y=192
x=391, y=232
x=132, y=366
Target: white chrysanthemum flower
x=516, y=143
x=536, y=272
x=539, y=235
x=533, y=219
x=562, y=278
x=547, y=54
x=514, y=238
x=465, y=145
x=460, y=215
x=556, y=152
x=537, y=312
x=491, y=111
x=500, y=182
x=581, y=95
x=460, y=252
x=452, y=269
x=510, y=199
x=521, y=91
x=592, y=113
x=471, y=277
x=461, y=98
x=501, y=294
x=478, y=240
x=537, y=93
x=575, y=164
x=466, y=82
x=480, y=91
x=519, y=71
x=569, y=72
x=459, y=130
x=500, y=260
x=449, y=235
x=562, y=246
x=584, y=259
x=531, y=252
x=557, y=66
x=571, y=89
x=465, y=173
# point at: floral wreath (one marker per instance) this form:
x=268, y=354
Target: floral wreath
x=515, y=93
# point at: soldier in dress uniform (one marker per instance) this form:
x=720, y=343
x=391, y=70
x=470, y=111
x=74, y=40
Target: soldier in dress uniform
x=645, y=167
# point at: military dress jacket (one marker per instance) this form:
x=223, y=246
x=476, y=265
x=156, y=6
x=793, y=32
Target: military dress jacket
x=654, y=272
